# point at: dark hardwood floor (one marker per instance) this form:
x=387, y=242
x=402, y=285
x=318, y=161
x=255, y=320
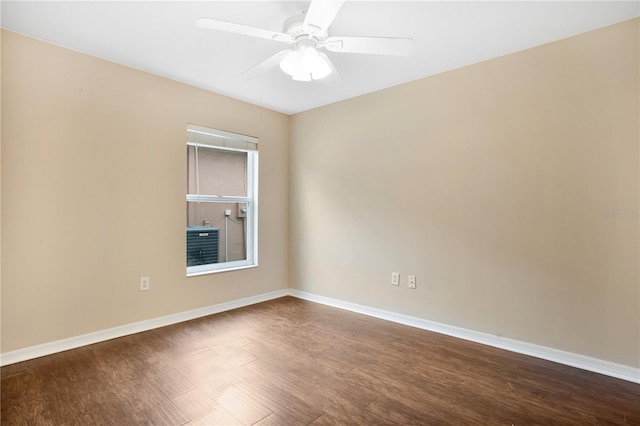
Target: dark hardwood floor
x=292, y=362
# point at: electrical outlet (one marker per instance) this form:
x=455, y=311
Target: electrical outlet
x=395, y=278
x=227, y=212
x=144, y=283
x=411, y=279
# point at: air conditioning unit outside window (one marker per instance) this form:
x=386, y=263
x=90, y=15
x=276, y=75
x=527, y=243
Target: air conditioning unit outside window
x=202, y=245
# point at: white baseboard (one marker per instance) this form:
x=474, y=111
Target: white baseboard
x=567, y=358
x=112, y=333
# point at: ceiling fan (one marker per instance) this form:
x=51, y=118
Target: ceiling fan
x=307, y=32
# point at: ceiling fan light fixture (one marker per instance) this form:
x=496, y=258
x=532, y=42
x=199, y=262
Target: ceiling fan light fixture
x=304, y=76
x=305, y=64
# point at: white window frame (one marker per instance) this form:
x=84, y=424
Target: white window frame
x=199, y=136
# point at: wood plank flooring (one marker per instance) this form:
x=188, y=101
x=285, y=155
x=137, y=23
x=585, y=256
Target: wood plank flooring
x=293, y=362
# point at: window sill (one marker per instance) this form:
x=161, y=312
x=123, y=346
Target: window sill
x=217, y=271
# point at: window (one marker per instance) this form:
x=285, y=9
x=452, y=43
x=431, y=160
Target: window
x=222, y=195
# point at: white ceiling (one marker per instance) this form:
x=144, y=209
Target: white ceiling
x=161, y=38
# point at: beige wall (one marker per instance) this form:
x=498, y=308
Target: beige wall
x=93, y=194
x=491, y=183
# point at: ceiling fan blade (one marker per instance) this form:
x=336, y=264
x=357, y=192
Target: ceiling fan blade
x=231, y=27
x=264, y=66
x=321, y=13
x=371, y=45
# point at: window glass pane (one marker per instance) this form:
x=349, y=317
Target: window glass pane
x=218, y=172
x=231, y=241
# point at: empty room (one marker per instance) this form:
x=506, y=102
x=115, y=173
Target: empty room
x=320, y=213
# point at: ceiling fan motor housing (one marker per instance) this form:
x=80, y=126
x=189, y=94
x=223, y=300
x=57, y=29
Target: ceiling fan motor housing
x=294, y=26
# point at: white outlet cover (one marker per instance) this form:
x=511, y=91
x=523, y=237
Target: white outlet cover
x=395, y=278
x=144, y=283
